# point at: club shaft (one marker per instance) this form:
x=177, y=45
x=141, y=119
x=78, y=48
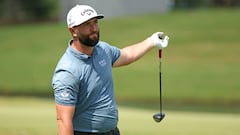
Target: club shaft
x=160, y=81
x=160, y=87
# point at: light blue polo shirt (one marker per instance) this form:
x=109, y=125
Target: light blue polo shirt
x=86, y=83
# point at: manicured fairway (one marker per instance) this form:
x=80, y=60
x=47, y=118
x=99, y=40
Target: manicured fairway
x=139, y=122
x=34, y=116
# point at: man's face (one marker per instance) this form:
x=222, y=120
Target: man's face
x=88, y=32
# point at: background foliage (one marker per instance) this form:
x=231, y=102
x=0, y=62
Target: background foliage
x=22, y=11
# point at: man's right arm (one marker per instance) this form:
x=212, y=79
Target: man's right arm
x=64, y=119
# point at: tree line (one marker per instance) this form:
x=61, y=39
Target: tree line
x=17, y=11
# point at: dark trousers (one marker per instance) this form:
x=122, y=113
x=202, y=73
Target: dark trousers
x=112, y=132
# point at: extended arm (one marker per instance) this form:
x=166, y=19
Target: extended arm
x=132, y=53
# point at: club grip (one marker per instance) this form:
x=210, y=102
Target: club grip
x=160, y=53
x=160, y=36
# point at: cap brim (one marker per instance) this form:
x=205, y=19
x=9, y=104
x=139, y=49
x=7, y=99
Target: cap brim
x=99, y=16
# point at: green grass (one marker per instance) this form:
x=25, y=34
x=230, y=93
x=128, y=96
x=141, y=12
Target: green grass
x=138, y=121
x=28, y=116
x=200, y=65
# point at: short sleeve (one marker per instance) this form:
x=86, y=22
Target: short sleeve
x=115, y=52
x=65, y=87
x=112, y=51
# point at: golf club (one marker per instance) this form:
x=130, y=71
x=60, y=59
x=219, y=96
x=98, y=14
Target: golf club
x=159, y=116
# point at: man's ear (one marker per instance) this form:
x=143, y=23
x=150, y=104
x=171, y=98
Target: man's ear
x=74, y=34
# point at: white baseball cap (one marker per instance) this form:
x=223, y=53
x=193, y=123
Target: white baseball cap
x=80, y=14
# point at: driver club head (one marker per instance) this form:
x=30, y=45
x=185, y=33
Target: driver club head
x=158, y=117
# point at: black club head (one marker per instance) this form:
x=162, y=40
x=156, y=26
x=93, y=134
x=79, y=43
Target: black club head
x=158, y=117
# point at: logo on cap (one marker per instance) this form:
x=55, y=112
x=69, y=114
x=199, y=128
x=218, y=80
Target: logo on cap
x=87, y=11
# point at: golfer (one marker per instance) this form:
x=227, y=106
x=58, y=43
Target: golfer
x=82, y=81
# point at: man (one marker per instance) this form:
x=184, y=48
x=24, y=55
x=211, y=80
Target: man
x=82, y=81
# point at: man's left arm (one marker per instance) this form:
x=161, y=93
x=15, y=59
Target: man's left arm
x=134, y=52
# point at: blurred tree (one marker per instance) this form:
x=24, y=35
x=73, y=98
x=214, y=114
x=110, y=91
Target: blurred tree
x=15, y=11
x=225, y=3
x=190, y=3
x=36, y=10
x=11, y=10
x=205, y=3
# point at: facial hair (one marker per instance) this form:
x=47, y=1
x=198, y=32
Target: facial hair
x=86, y=40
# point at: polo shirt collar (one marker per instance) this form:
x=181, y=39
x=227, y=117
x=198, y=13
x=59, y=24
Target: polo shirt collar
x=78, y=54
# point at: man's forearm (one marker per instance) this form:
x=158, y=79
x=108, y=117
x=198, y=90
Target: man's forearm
x=64, y=119
x=136, y=51
x=65, y=127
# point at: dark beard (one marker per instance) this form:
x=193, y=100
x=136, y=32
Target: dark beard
x=84, y=39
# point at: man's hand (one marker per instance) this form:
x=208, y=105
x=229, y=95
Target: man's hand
x=159, y=40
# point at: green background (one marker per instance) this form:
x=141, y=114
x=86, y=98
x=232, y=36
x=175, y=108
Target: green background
x=200, y=73
x=200, y=65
